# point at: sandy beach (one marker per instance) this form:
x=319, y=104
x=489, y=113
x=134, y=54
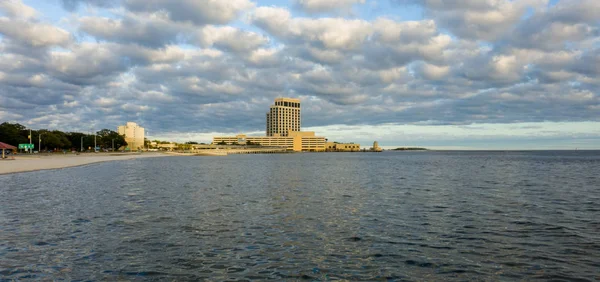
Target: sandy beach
x=23, y=163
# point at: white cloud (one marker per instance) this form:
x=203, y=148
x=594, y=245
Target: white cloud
x=390, y=31
x=230, y=38
x=478, y=19
x=34, y=34
x=433, y=72
x=390, y=75
x=16, y=9
x=448, y=136
x=275, y=20
x=329, y=33
x=264, y=57
x=482, y=61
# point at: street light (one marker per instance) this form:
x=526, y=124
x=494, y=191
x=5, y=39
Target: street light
x=81, y=144
x=113, y=144
x=40, y=142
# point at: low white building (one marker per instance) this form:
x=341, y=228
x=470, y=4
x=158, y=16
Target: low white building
x=296, y=140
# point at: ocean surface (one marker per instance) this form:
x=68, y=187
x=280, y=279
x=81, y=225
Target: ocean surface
x=396, y=216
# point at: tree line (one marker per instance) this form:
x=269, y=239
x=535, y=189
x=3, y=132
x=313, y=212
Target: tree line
x=15, y=134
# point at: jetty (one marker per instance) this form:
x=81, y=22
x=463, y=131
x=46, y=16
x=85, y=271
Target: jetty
x=231, y=151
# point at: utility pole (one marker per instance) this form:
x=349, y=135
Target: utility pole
x=30, y=150
x=81, y=143
x=113, y=143
x=94, y=132
x=40, y=142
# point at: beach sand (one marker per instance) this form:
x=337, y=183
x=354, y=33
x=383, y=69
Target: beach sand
x=23, y=163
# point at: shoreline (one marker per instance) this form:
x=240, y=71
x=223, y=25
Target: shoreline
x=27, y=163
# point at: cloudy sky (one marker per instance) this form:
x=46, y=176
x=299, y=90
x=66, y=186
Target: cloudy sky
x=476, y=74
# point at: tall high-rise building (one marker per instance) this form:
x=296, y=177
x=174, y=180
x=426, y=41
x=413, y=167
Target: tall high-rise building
x=283, y=117
x=134, y=135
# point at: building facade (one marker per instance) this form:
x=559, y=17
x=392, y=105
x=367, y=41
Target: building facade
x=134, y=135
x=295, y=141
x=284, y=117
x=376, y=147
x=342, y=147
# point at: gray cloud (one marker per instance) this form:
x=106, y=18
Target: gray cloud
x=72, y=5
x=155, y=30
x=180, y=68
x=476, y=19
x=326, y=6
x=198, y=12
x=85, y=64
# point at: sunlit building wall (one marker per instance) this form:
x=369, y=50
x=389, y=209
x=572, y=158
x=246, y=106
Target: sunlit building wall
x=296, y=141
x=134, y=135
x=284, y=117
x=342, y=147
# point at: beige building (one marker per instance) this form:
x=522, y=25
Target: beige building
x=134, y=135
x=342, y=147
x=284, y=117
x=296, y=140
x=376, y=147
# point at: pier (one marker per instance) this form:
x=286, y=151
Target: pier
x=257, y=151
x=231, y=151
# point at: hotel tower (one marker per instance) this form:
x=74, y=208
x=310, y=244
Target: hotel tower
x=283, y=117
x=283, y=130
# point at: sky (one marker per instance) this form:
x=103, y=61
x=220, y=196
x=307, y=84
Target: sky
x=472, y=74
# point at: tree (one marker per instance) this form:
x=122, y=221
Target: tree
x=191, y=143
x=222, y=143
x=75, y=139
x=51, y=140
x=63, y=141
x=106, y=137
x=15, y=134
x=184, y=147
x=12, y=133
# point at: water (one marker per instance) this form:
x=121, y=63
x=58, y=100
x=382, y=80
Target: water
x=363, y=216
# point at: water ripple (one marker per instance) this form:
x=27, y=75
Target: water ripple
x=444, y=216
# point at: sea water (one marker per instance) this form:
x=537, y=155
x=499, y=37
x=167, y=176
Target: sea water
x=433, y=216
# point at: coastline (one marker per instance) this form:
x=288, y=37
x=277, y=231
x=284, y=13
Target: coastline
x=28, y=163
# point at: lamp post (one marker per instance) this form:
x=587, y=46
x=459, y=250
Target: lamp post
x=113, y=145
x=81, y=144
x=40, y=142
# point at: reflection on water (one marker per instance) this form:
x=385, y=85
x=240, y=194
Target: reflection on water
x=363, y=216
